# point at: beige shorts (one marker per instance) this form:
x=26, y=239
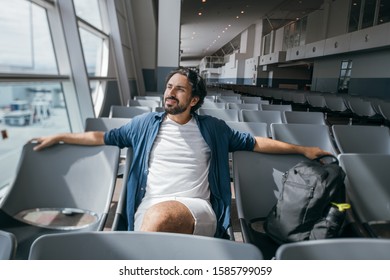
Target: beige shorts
x=201, y=210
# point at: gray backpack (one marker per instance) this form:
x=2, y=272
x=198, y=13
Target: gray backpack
x=311, y=202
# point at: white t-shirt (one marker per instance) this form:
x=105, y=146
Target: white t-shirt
x=179, y=162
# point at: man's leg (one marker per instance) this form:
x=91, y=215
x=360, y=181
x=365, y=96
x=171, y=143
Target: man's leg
x=168, y=216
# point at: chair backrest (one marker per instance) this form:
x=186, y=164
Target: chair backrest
x=304, y=134
x=362, y=138
x=248, y=106
x=367, y=185
x=255, y=128
x=8, y=245
x=256, y=178
x=335, y=103
x=267, y=117
x=223, y=114
x=213, y=105
x=336, y=249
x=128, y=112
x=104, y=124
x=139, y=246
x=316, y=100
x=64, y=176
x=384, y=108
x=157, y=98
x=304, y=117
x=145, y=102
x=276, y=107
x=361, y=107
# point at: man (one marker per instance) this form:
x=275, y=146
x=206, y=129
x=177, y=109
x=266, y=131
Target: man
x=179, y=180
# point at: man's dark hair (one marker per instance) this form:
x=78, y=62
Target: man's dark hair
x=197, y=82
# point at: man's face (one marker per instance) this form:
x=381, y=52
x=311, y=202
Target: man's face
x=178, y=95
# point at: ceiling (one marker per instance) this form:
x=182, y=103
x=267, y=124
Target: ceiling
x=215, y=31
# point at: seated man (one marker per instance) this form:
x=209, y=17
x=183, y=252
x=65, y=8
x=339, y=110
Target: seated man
x=179, y=180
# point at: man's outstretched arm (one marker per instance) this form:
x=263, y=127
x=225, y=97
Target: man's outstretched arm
x=92, y=138
x=271, y=146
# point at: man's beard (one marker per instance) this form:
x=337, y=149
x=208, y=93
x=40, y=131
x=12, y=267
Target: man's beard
x=177, y=109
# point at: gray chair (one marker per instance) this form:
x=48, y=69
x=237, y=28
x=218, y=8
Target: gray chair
x=304, y=134
x=117, y=111
x=213, y=105
x=275, y=107
x=257, y=181
x=106, y=124
x=367, y=185
x=304, y=117
x=8, y=245
x=139, y=246
x=316, y=100
x=59, y=189
x=335, y=103
x=360, y=106
x=336, y=249
x=223, y=114
x=362, y=138
x=247, y=106
x=267, y=117
x=254, y=128
x=145, y=103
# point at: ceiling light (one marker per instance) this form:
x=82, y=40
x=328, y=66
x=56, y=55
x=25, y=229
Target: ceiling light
x=200, y=13
x=203, y=1
x=242, y=12
x=237, y=17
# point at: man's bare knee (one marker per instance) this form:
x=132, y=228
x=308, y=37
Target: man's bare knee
x=168, y=216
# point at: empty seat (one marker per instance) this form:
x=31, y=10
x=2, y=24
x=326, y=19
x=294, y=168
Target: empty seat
x=223, y=114
x=335, y=103
x=257, y=181
x=367, y=185
x=240, y=106
x=360, y=106
x=362, y=138
x=213, y=105
x=267, y=117
x=139, y=246
x=304, y=134
x=145, y=102
x=316, y=100
x=61, y=188
x=336, y=249
x=128, y=112
x=304, y=117
x=275, y=107
x=255, y=128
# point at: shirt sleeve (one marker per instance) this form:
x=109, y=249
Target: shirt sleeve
x=121, y=136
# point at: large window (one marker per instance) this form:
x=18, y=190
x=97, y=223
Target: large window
x=95, y=48
x=32, y=101
x=367, y=13
x=26, y=45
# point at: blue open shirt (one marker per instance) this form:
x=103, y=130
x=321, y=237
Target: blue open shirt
x=140, y=134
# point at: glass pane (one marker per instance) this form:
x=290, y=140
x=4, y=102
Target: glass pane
x=89, y=11
x=354, y=15
x=27, y=45
x=93, y=53
x=27, y=110
x=369, y=13
x=384, y=11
